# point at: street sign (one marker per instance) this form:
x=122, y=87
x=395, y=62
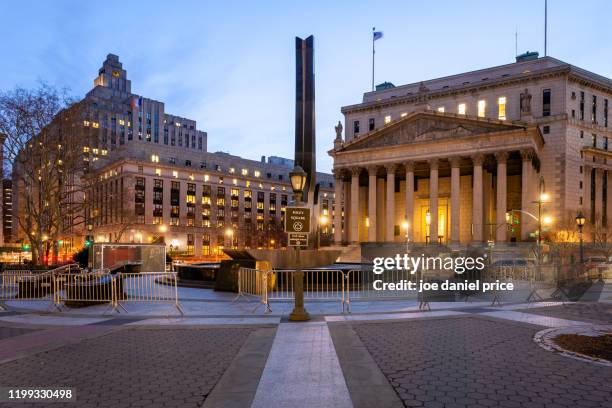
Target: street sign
x=298, y=239
x=297, y=219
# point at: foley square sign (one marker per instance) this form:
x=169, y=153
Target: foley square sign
x=297, y=219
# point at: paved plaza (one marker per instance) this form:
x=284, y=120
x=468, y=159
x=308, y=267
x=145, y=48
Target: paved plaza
x=388, y=355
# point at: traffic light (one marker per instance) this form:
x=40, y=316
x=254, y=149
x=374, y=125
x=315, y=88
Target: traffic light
x=25, y=247
x=88, y=241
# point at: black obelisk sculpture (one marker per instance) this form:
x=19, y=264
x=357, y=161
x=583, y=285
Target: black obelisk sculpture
x=305, y=150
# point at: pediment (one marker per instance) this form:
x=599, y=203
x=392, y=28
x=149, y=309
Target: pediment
x=427, y=126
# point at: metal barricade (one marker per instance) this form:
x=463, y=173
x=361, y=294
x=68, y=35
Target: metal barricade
x=27, y=286
x=319, y=284
x=146, y=287
x=254, y=283
x=73, y=289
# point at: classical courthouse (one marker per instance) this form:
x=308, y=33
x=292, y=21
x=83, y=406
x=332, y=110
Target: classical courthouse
x=453, y=159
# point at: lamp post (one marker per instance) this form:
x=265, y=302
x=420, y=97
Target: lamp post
x=322, y=223
x=580, y=220
x=299, y=314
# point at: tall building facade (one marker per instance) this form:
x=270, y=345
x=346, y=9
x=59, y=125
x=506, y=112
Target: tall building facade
x=456, y=159
x=149, y=177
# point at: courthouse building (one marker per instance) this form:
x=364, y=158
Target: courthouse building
x=455, y=159
x=153, y=179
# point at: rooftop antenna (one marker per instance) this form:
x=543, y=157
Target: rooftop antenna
x=545, y=27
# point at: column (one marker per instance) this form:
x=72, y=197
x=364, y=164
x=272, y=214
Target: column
x=477, y=198
x=372, y=203
x=389, y=233
x=455, y=202
x=354, y=224
x=339, y=188
x=433, y=200
x=409, y=214
x=526, y=193
x=598, y=195
x=502, y=198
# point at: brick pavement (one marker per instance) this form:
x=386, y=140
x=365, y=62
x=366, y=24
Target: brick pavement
x=6, y=332
x=133, y=367
x=477, y=362
x=592, y=312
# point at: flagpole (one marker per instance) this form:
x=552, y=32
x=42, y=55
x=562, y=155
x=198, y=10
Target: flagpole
x=545, y=27
x=373, y=51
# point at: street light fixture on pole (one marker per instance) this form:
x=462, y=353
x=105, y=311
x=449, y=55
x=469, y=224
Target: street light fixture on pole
x=298, y=180
x=580, y=220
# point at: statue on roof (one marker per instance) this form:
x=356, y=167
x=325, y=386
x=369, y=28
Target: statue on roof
x=338, y=128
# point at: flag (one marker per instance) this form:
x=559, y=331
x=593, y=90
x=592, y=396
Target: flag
x=136, y=102
x=378, y=35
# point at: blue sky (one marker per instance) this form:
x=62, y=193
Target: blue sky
x=230, y=65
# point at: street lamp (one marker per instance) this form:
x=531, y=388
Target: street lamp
x=580, y=220
x=230, y=233
x=406, y=226
x=322, y=223
x=298, y=180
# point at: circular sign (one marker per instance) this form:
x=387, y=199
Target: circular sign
x=297, y=226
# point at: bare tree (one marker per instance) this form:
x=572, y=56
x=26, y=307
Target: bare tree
x=45, y=135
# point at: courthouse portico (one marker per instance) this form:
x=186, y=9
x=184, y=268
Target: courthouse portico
x=447, y=177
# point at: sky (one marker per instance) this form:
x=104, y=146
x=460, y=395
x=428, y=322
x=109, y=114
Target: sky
x=230, y=64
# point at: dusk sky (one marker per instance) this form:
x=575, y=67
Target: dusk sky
x=230, y=65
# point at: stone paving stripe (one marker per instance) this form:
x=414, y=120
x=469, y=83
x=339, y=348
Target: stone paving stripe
x=302, y=370
x=367, y=385
x=238, y=385
x=516, y=306
x=44, y=320
x=203, y=321
x=394, y=316
x=545, y=321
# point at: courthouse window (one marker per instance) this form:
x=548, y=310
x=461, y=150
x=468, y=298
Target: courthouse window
x=387, y=119
x=441, y=109
x=371, y=124
x=546, y=102
x=461, y=109
x=482, y=104
x=356, y=127
x=501, y=108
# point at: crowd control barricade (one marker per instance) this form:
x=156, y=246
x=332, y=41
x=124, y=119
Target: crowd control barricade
x=319, y=284
x=27, y=286
x=80, y=289
x=254, y=283
x=146, y=287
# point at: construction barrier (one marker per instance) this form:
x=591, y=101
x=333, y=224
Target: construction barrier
x=25, y=285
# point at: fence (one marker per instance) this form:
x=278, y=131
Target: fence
x=253, y=283
x=77, y=289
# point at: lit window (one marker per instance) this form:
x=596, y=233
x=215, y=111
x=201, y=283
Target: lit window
x=461, y=109
x=245, y=172
x=482, y=104
x=248, y=183
x=122, y=122
x=155, y=158
x=441, y=109
x=404, y=114
x=501, y=105
x=206, y=177
x=175, y=174
x=387, y=119
x=191, y=176
x=95, y=125
x=85, y=123
x=232, y=170
x=235, y=182
x=158, y=172
x=85, y=149
x=178, y=124
x=104, y=152
x=257, y=173
x=95, y=150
